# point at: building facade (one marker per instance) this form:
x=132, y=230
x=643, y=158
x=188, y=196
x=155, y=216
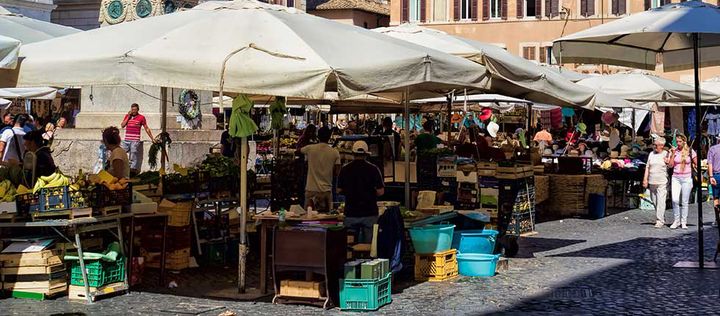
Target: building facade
x=369, y=14
x=528, y=27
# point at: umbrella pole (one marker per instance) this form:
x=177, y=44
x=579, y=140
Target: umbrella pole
x=698, y=148
x=406, y=121
x=449, y=117
x=163, y=123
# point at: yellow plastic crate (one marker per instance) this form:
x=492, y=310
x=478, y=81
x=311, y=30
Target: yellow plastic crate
x=436, y=267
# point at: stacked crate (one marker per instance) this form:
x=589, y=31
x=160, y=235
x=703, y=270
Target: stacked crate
x=178, y=237
x=436, y=267
x=366, y=285
x=36, y=275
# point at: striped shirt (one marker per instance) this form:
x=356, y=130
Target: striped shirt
x=134, y=124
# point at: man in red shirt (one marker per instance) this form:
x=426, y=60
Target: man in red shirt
x=132, y=123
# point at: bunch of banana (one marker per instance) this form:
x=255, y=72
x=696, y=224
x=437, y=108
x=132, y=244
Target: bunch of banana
x=7, y=191
x=56, y=179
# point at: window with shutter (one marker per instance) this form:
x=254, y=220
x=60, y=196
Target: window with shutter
x=529, y=52
x=552, y=8
x=538, y=9
x=405, y=10
x=529, y=8
x=415, y=10
x=440, y=10
x=423, y=10
x=485, y=9
x=456, y=10
x=466, y=9
x=494, y=9
x=474, y=10
x=622, y=7
x=504, y=9
x=543, y=55
x=587, y=8
x=520, y=8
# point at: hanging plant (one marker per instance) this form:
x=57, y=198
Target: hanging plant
x=189, y=105
x=160, y=142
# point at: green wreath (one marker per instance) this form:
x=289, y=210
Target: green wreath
x=189, y=104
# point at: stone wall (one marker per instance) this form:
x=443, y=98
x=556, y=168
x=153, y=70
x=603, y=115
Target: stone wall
x=77, y=148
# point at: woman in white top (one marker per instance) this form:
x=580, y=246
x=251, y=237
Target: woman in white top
x=118, y=164
x=656, y=179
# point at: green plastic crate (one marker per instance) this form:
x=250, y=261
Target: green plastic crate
x=99, y=272
x=365, y=295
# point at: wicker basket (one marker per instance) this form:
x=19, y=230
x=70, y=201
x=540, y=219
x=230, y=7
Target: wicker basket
x=569, y=193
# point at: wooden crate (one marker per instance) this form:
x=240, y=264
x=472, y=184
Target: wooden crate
x=174, y=260
x=308, y=289
x=542, y=189
x=178, y=213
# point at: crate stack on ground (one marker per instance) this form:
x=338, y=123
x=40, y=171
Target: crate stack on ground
x=178, y=237
x=105, y=271
x=35, y=275
x=366, y=285
x=434, y=259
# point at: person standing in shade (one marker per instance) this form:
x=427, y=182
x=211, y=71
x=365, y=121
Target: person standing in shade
x=656, y=179
x=713, y=161
x=361, y=182
x=323, y=163
x=132, y=123
x=387, y=130
x=11, y=143
x=681, y=159
x=427, y=139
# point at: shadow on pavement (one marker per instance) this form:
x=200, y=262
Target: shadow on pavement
x=530, y=246
x=646, y=284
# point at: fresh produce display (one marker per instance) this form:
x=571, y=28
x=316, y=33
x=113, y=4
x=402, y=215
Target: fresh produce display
x=7, y=191
x=149, y=177
x=219, y=166
x=54, y=180
x=110, y=182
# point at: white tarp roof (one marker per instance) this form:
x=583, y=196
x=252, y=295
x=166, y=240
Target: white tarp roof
x=510, y=75
x=271, y=50
x=642, y=87
x=28, y=30
x=44, y=93
x=9, y=49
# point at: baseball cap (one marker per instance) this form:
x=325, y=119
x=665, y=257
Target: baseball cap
x=360, y=147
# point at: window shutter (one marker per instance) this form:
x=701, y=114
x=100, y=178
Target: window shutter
x=555, y=6
x=622, y=7
x=548, y=8
x=538, y=9
x=423, y=10
x=504, y=10
x=583, y=7
x=456, y=7
x=590, y=7
x=519, y=8
x=405, y=10
x=474, y=10
x=647, y=5
x=485, y=10
x=614, y=9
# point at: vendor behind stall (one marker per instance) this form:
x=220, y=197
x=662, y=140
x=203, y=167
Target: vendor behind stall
x=322, y=161
x=38, y=161
x=117, y=163
x=361, y=182
x=427, y=139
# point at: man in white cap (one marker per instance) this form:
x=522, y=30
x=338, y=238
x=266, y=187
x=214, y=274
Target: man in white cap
x=361, y=182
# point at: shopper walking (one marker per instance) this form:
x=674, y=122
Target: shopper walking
x=132, y=144
x=11, y=143
x=682, y=159
x=656, y=179
x=361, y=182
x=713, y=161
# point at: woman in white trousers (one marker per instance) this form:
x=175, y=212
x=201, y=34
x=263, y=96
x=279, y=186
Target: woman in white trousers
x=681, y=160
x=656, y=179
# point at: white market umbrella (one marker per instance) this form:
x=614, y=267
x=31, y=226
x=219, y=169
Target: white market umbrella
x=9, y=49
x=263, y=49
x=644, y=87
x=509, y=74
x=28, y=30
x=41, y=93
x=712, y=85
x=571, y=75
x=679, y=32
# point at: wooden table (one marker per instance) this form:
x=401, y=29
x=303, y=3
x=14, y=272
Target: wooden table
x=85, y=225
x=267, y=223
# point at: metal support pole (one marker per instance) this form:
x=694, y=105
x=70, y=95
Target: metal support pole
x=163, y=122
x=406, y=113
x=449, y=118
x=698, y=148
x=243, y=247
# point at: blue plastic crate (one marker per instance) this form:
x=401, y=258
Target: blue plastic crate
x=61, y=198
x=365, y=295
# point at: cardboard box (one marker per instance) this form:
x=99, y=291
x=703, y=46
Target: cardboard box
x=370, y=270
x=310, y=289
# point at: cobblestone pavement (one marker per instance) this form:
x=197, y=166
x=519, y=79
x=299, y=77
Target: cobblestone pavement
x=617, y=265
